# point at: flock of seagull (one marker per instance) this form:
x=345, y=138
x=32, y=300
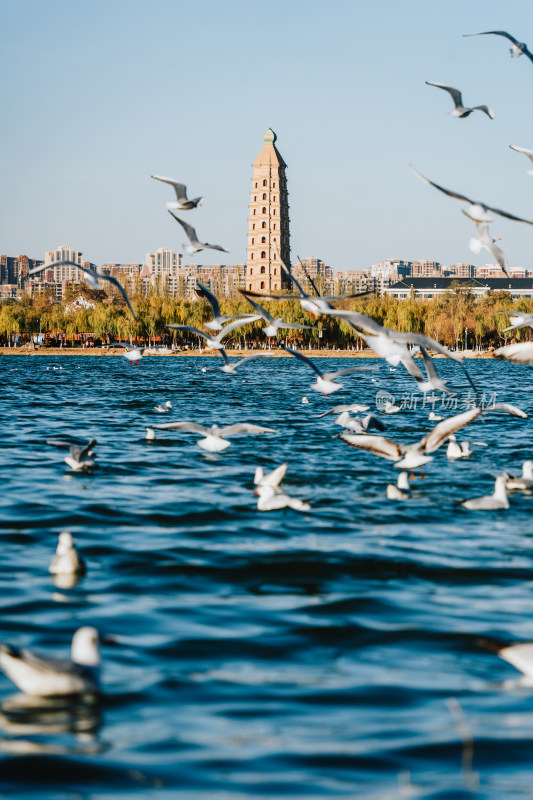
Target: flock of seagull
x=40, y=676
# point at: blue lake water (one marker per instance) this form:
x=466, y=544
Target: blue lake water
x=263, y=655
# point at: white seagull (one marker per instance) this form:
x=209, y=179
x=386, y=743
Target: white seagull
x=521, y=353
x=486, y=241
x=460, y=110
x=163, y=409
x=271, y=496
x=432, y=383
x=66, y=560
x=413, y=455
x=476, y=211
x=133, y=353
x=93, y=278
x=457, y=449
x=195, y=245
x=212, y=441
x=401, y=489
x=518, y=319
x=359, y=425
x=41, y=676
x=492, y=502
x=219, y=319
x=80, y=458
x=182, y=202
x=525, y=152
x=215, y=342
x=325, y=383
x=274, y=325
x=355, y=408
x=230, y=365
x=518, y=48
x=525, y=482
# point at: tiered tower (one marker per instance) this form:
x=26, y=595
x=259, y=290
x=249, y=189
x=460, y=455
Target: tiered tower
x=268, y=223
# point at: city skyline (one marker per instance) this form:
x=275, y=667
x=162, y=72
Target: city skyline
x=348, y=100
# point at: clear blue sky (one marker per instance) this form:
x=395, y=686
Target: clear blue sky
x=97, y=96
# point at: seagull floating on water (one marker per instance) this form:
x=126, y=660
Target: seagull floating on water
x=457, y=449
x=163, y=408
x=182, y=202
x=460, y=110
x=401, y=490
x=518, y=48
x=212, y=441
x=325, y=383
x=80, y=458
x=195, y=245
x=525, y=482
x=41, y=676
x=66, y=560
x=492, y=502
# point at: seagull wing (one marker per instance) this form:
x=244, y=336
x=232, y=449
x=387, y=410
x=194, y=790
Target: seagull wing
x=189, y=328
x=528, y=153
x=521, y=353
x=291, y=276
x=48, y=265
x=507, y=408
x=507, y=215
x=428, y=364
x=441, y=188
x=455, y=93
x=295, y=327
x=249, y=293
x=191, y=427
x=425, y=341
x=189, y=230
x=444, y=429
x=260, y=310
x=237, y=323
x=86, y=450
x=249, y=358
x=329, y=376
x=203, y=291
x=273, y=478
x=179, y=188
x=360, y=320
x=496, y=33
x=121, y=289
x=244, y=427
x=374, y=444
x=303, y=358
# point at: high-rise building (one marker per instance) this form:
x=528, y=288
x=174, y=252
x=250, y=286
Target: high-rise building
x=163, y=262
x=65, y=272
x=268, y=223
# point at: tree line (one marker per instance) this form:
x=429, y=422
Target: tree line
x=453, y=318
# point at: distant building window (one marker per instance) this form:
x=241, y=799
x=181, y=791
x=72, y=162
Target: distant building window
x=255, y=198
x=262, y=284
x=256, y=184
x=263, y=270
x=275, y=271
x=263, y=254
x=263, y=239
x=274, y=211
x=265, y=183
x=275, y=286
x=264, y=211
x=251, y=271
x=253, y=240
x=274, y=228
x=274, y=257
x=264, y=225
x=252, y=256
x=274, y=198
x=250, y=285
x=274, y=185
x=264, y=196
x=254, y=212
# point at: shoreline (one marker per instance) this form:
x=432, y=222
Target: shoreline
x=278, y=353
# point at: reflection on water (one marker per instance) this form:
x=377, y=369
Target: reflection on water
x=271, y=654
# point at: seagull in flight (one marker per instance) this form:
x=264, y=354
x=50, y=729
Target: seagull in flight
x=215, y=342
x=274, y=325
x=413, y=455
x=315, y=305
x=460, y=110
x=218, y=319
x=325, y=383
x=476, y=211
x=39, y=676
x=195, y=245
x=487, y=242
x=212, y=441
x=521, y=353
x=93, y=278
x=230, y=365
x=271, y=495
x=518, y=48
x=182, y=202
x=518, y=319
x=528, y=153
